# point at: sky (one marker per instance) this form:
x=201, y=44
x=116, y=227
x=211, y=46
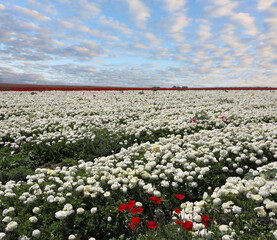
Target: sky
x=139, y=43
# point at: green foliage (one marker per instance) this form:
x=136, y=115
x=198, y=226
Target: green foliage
x=226, y=100
x=254, y=227
x=67, y=162
x=201, y=115
x=166, y=232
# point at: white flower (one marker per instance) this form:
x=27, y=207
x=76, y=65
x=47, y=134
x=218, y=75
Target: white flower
x=239, y=171
x=257, y=198
x=6, y=219
x=2, y=236
x=23, y=237
x=205, y=234
x=80, y=210
x=217, y=201
x=71, y=237
x=197, y=218
x=93, y=210
x=275, y=234
x=223, y=228
x=138, y=204
x=226, y=237
x=107, y=194
x=35, y=210
x=92, y=238
x=260, y=211
x=109, y=219
x=157, y=193
x=236, y=210
x=115, y=186
x=11, y=226
x=67, y=207
x=61, y=215
x=33, y=219
x=36, y=233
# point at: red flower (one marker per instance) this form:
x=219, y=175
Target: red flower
x=205, y=220
x=178, y=222
x=158, y=200
x=121, y=207
x=135, y=220
x=153, y=198
x=187, y=225
x=130, y=204
x=132, y=225
x=139, y=209
x=133, y=210
x=180, y=196
x=152, y=225
x=177, y=210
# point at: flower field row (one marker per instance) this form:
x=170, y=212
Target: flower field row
x=138, y=165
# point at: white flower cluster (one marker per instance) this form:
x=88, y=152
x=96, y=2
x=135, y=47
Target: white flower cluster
x=244, y=140
x=55, y=116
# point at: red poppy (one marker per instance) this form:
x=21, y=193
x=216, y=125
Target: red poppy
x=130, y=204
x=121, y=207
x=205, y=220
x=135, y=220
x=152, y=225
x=177, y=210
x=178, y=222
x=132, y=225
x=133, y=210
x=158, y=200
x=153, y=198
x=180, y=196
x=139, y=209
x=187, y=225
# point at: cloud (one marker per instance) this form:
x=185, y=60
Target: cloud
x=173, y=5
x=8, y=75
x=2, y=7
x=96, y=33
x=225, y=8
x=65, y=24
x=271, y=23
x=87, y=8
x=47, y=6
x=177, y=22
x=204, y=33
x=184, y=48
x=153, y=40
x=31, y=13
x=220, y=51
x=246, y=61
x=246, y=21
x=220, y=8
x=265, y=4
x=118, y=26
x=139, y=12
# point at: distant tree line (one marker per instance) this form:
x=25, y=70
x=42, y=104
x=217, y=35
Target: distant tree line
x=180, y=87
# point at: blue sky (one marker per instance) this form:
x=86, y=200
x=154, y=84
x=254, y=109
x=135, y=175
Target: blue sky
x=139, y=43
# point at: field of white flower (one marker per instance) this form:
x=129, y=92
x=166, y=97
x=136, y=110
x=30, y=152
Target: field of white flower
x=138, y=165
